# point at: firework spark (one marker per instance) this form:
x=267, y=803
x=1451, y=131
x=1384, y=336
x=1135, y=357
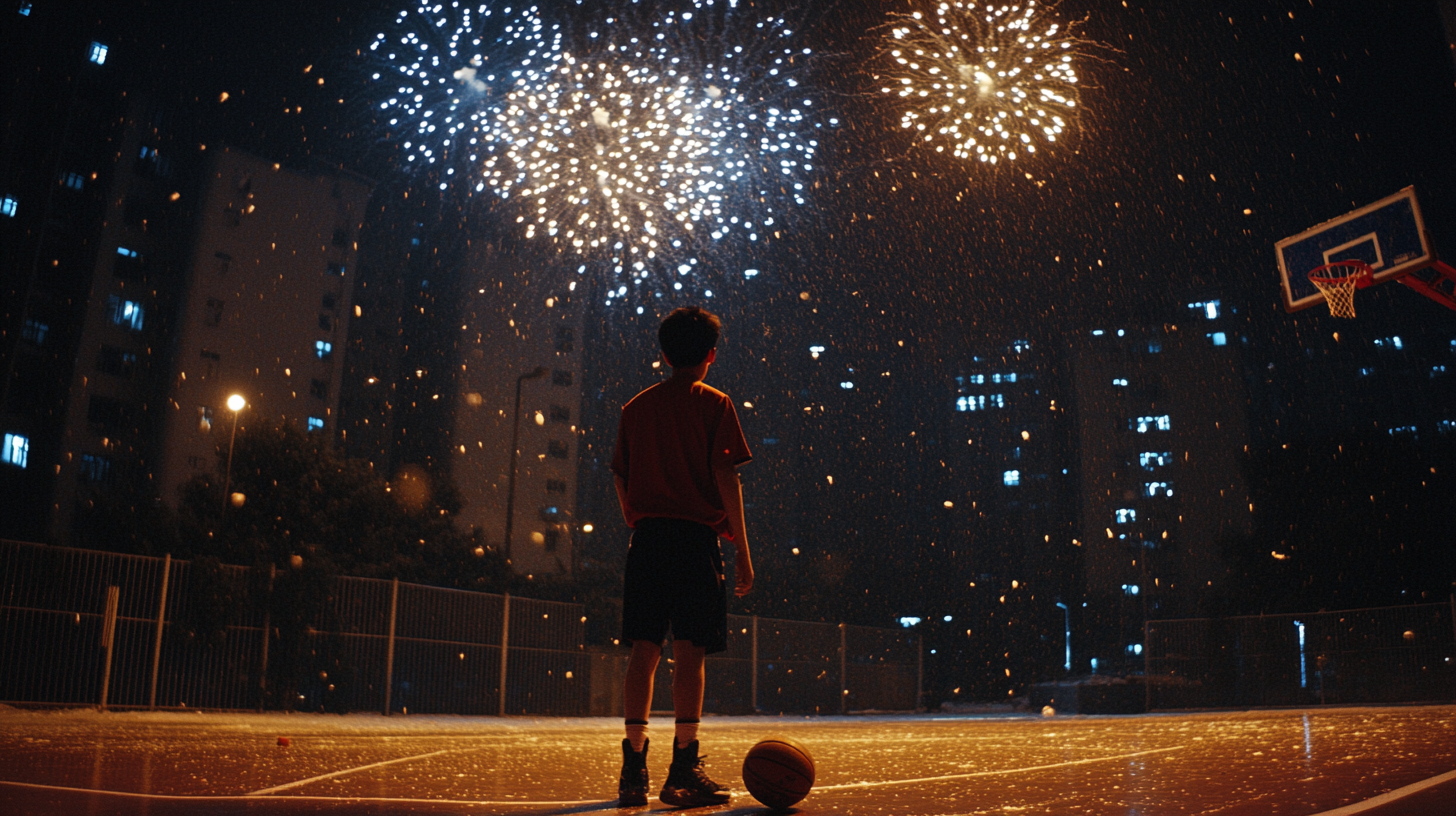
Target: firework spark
x=985, y=81
x=656, y=137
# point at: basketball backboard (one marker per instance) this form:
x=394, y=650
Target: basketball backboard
x=1389, y=235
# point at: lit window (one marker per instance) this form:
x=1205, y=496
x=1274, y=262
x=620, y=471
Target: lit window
x=204, y=418
x=1097, y=332
x=126, y=313
x=995, y=378
x=1403, y=430
x=1126, y=515
x=323, y=349
x=1130, y=589
x=315, y=424
x=1134, y=648
x=996, y=401
x=8, y=206
x=1158, y=488
x=846, y=385
x=1120, y=382
x=95, y=468
x=815, y=351
x=337, y=269
x=1150, y=423
x=1437, y=371
x=98, y=53
x=972, y=403
x=1011, y=478
x=1011, y=377
x=980, y=379
x=909, y=621
x=16, y=451
x=1389, y=342
x=1446, y=426
x=126, y=253
x=1151, y=460
x=1365, y=372
x=25, y=9
x=75, y=181
x=1021, y=345
x=1218, y=338
x=1154, y=346
x=35, y=332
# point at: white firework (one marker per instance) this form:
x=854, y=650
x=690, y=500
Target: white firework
x=655, y=137
x=436, y=72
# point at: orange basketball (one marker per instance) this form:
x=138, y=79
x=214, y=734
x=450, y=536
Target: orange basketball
x=778, y=772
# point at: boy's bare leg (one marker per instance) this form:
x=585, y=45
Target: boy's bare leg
x=687, y=685
x=641, y=669
x=637, y=702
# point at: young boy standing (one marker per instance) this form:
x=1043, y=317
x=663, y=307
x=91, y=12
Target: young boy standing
x=678, y=448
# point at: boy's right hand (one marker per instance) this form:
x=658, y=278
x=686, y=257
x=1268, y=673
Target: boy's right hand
x=742, y=578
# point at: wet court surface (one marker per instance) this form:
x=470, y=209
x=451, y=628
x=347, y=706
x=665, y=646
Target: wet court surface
x=1268, y=762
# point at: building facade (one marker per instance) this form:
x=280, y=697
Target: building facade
x=1162, y=427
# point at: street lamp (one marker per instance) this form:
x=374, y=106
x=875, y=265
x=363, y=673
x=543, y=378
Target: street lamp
x=538, y=373
x=235, y=403
x=1067, y=614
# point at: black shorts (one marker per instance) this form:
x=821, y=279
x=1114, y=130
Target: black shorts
x=674, y=581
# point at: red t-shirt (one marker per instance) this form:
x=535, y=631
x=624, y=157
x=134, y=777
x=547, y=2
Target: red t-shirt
x=670, y=438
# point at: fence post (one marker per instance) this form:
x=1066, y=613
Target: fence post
x=267, y=637
x=843, y=681
x=161, y=619
x=389, y=648
x=108, y=638
x=919, y=672
x=1147, y=667
x=505, y=648
x=753, y=683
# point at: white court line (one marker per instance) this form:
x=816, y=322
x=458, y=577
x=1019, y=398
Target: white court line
x=248, y=797
x=1393, y=796
x=303, y=782
x=860, y=785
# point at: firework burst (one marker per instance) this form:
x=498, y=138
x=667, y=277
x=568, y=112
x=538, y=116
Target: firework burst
x=654, y=138
x=985, y=81
x=436, y=72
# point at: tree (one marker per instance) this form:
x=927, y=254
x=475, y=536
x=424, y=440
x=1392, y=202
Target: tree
x=303, y=505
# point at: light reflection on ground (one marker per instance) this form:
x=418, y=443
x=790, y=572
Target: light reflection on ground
x=1267, y=762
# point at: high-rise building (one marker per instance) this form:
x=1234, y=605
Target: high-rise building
x=1162, y=429
x=268, y=300
x=517, y=417
x=67, y=143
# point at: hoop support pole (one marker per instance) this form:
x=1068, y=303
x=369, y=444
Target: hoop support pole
x=1437, y=282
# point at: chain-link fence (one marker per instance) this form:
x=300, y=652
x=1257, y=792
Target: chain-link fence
x=79, y=627
x=1354, y=656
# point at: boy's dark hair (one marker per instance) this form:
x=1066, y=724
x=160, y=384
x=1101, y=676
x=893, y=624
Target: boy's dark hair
x=687, y=335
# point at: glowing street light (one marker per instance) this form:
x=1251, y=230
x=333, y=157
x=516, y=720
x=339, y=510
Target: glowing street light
x=235, y=403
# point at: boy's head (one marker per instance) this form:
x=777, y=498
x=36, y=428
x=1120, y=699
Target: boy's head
x=687, y=335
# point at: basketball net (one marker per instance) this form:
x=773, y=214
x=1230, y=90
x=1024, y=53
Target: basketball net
x=1338, y=282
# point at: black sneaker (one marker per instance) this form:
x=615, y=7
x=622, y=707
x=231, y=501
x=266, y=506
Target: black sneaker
x=687, y=784
x=632, y=787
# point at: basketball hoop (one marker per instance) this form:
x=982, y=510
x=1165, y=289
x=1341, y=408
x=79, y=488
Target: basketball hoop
x=1338, y=281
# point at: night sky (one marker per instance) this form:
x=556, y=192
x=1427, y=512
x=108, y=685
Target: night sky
x=1206, y=135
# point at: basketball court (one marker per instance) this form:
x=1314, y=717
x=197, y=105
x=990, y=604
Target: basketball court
x=1265, y=762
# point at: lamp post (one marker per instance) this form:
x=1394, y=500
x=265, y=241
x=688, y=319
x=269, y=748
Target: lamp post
x=1067, y=615
x=235, y=403
x=538, y=373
